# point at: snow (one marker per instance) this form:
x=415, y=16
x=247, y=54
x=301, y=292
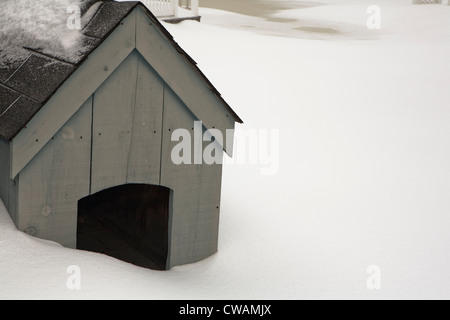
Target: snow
x=363, y=120
x=39, y=24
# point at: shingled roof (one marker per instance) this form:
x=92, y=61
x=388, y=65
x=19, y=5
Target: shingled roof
x=30, y=80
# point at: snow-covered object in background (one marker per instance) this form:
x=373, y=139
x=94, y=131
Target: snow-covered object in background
x=427, y=1
x=172, y=9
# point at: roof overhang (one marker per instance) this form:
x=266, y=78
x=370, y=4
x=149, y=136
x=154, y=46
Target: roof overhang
x=138, y=30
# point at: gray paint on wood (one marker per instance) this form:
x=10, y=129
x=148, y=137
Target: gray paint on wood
x=113, y=115
x=8, y=187
x=122, y=134
x=144, y=155
x=127, y=110
x=55, y=180
x=196, y=198
x=127, y=126
x=4, y=172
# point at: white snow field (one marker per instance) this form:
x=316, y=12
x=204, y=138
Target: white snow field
x=363, y=179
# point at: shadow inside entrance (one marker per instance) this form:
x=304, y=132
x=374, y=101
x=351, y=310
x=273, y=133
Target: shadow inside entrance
x=129, y=222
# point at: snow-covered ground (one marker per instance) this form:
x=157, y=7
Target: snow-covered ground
x=363, y=118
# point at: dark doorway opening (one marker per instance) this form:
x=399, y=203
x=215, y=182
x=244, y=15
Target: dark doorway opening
x=129, y=222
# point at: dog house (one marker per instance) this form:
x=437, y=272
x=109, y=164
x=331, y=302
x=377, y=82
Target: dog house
x=86, y=141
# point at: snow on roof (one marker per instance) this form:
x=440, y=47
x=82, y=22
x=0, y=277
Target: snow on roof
x=32, y=24
x=38, y=51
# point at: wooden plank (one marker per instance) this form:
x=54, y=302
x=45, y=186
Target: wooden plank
x=127, y=126
x=7, y=186
x=197, y=188
x=76, y=90
x=54, y=181
x=113, y=119
x=4, y=171
x=144, y=157
x=179, y=74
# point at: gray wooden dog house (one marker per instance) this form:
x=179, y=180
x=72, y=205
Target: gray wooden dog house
x=84, y=135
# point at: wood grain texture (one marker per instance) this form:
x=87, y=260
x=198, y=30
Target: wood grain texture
x=127, y=122
x=144, y=155
x=55, y=180
x=113, y=117
x=8, y=187
x=197, y=188
x=4, y=171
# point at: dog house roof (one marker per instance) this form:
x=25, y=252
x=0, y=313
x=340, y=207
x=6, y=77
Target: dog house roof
x=32, y=70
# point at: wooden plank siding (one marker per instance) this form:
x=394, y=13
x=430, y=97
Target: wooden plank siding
x=128, y=131
x=55, y=180
x=144, y=155
x=111, y=124
x=127, y=126
x=5, y=166
x=8, y=187
x=197, y=189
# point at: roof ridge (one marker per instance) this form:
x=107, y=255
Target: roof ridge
x=102, y=3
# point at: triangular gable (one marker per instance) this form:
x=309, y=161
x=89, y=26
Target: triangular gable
x=141, y=31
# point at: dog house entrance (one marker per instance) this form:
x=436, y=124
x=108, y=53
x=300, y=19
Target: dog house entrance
x=129, y=222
